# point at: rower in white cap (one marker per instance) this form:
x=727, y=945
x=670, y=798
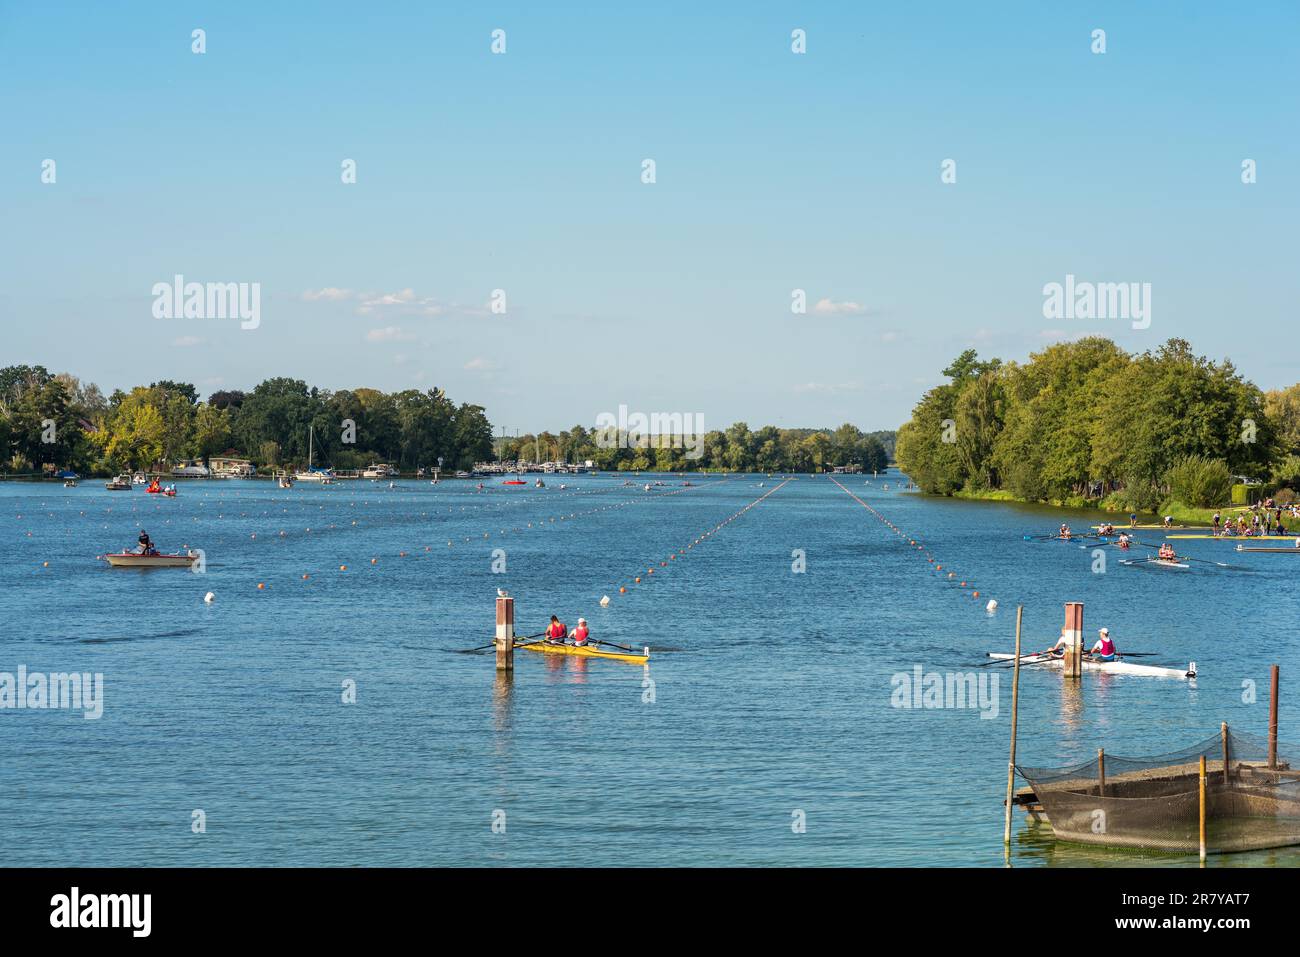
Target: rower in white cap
x=580, y=633
x=1104, y=649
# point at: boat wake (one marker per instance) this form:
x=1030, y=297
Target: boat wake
x=82, y=640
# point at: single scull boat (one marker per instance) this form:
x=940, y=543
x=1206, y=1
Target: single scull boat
x=1119, y=666
x=1292, y=550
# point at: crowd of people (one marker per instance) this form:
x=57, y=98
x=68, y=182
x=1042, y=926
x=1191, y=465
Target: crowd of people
x=1262, y=518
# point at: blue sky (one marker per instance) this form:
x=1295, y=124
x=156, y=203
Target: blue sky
x=521, y=172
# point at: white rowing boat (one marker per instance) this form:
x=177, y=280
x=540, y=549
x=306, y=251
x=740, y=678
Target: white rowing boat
x=1120, y=667
x=1155, y=562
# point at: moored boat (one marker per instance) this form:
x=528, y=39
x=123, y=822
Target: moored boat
x=585, y=651
x=120, y=484
x=136, y=560
x=1119, y=666
x=1293, y=550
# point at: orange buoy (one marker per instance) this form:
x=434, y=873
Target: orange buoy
x=343, y=568
x=622, y=590
x=374, y=561
x=261, y=585
x=305, y=577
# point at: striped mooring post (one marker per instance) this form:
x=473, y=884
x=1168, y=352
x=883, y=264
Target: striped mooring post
x=505, y=634
x=1072, y=667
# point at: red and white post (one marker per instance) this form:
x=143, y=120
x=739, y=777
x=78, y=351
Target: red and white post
x=1073, y=665
x=505, y=634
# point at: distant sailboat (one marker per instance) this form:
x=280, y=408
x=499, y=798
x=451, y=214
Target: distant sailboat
x=310, y=474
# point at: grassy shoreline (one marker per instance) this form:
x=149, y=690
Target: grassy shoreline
x=1182, y=514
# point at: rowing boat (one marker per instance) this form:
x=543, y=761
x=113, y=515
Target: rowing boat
x=1241, y=538
x=585, y=651
x=136, y=560
x=1119, y=667
x=1158, y=562
x=1280, y=551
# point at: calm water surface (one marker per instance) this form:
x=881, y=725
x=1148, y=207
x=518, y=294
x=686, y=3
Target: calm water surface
x=771, y=689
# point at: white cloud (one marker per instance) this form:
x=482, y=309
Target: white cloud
x=328, y=294
x=828, y=388
x=403, y=303
x=481, y=365
x=829, y=307
x=389, y=334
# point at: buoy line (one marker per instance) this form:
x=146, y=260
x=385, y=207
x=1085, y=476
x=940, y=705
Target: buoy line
x=700, y=539
x=636, y=500
x=965, y=584
x=540, y=522
x=137, y=515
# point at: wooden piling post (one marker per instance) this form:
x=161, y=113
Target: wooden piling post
x=1101, y=772
x=505, y=633
x=1015, y=710
x=1072, y=667
x=1272, y=719
x=1203, y=777
x=1223, y=733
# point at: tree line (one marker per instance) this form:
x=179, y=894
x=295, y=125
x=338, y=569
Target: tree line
x=51, y=420
x=1086, y=421
x=735, y=449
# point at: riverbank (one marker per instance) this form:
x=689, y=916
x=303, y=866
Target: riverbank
x=1181, y=514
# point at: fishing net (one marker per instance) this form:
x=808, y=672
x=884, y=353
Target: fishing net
x=1153, y=803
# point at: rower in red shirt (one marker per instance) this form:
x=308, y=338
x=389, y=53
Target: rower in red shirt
x=580, y=633
x=556, y=631
x=1104, y=648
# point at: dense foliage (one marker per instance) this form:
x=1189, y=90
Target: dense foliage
x=165, y=423
x=737, y=449
x=158, y=425
x=1086, y=420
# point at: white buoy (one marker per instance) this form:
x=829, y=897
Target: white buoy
x=209, y=598
x=992, y=605
x=604, y=602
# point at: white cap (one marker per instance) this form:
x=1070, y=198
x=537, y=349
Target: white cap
x=582, y=621
x=1104, y=631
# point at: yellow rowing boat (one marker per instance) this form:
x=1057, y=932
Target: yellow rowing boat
x=585, y=651
x=1242, y=538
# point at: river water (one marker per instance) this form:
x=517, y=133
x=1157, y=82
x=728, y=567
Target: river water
x=767, y=733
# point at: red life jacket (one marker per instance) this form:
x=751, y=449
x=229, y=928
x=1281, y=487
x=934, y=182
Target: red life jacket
x=580, y=634
x=1107, y=646
x=556, y=630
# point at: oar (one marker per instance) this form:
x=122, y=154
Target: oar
x=1042, y=656
x=611, y=644
x=494, y=644
x=1008, y=661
